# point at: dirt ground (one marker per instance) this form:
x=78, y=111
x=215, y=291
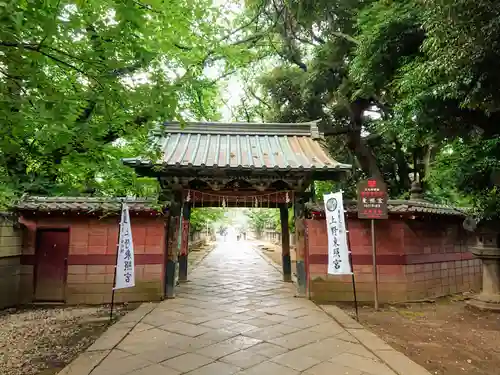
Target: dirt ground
x=273, y=252
x=446, y=337
x=41, y=340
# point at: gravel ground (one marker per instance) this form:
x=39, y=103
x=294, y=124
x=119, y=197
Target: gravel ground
x=41, y=341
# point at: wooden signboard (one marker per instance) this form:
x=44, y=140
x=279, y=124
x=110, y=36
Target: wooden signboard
x=372, y=199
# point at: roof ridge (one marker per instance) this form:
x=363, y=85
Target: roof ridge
x=309, y=129
x=86, y=199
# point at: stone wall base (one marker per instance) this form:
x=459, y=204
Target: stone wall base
x=92, y=285
x=399, y=283
x=10, y=271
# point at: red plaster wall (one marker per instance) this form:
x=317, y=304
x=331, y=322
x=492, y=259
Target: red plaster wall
x=403, y=245
x=92, y=256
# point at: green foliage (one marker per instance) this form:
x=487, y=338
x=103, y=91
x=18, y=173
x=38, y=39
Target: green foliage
x=404, y=88
x=442, y=88
x=409, y=89
x=200, y=217
x=84, y=82
x=261, y=218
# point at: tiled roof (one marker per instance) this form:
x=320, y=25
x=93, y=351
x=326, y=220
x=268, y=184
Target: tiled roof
x=399, y=206
x=241, y=146
x=84, y=204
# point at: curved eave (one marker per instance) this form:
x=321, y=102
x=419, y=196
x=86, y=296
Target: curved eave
x=172, y=169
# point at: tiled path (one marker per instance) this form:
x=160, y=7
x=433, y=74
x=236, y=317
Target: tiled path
x=236, y=316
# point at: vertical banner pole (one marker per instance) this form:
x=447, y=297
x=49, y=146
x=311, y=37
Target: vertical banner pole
x=116, y=262
x=375, y=273
x=352, y=267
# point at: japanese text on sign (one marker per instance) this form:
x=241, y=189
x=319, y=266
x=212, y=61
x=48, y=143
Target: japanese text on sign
x=372, y=199
x=338, y=252
x=125, y=277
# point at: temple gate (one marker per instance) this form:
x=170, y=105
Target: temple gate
x=237, y=165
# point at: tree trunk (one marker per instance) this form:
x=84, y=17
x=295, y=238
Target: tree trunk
x=363, y=153
x=403, y=170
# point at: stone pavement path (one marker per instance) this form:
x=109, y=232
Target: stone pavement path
x=236, y=316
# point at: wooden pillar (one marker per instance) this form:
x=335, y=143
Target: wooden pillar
x=184, y=248
x=285, y=244
x=172, y=243
x=300, y=246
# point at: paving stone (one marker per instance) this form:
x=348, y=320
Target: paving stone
x=117, y=354
x=139, y=313
x=244, y=359
x=110, y=366
x=269, y=368
x=267, y=349
x=109, y=339
x=260, y=322
x=236, y=316
x=275, y=318
x=186, y=329
x=340, y=316
x=325, y=349
x=218, y=350
x=218, y=335
x=242, y=342
x=305, y=322
x=401, y=363
x=241, y=327
x=187, y=362
x=196, y=319
x=160, y=354
x=84, y=363
x=191, y=344
x=216, y=368
x=346, y=336
x=141, y=327
x=363, y=364
x=147, y=340
x=271, y=332
x=219, y=323
x=328, y=368
x=292, y=360
x=156, y=370
x=298, y=339
x=369, y=339
x=361, y=351
x=331, y=327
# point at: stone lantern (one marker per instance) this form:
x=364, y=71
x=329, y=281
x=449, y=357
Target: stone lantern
x=487, y=248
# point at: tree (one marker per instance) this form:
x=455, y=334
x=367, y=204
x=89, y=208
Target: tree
x=316, y=43
x=262, y=218
x=200, y=217
x=445, y=96
x=408, y=87
x=84, y=82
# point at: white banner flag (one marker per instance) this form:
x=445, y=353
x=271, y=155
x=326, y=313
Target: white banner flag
x=338, y=252
x=125, y=276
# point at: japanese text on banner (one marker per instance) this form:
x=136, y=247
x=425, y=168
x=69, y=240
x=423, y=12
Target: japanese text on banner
x=338, y=252
x=125, y=276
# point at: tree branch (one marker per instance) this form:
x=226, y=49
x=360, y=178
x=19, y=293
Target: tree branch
x=15, y=80
x=262, y=5
x=36, y=48
x=260, y=100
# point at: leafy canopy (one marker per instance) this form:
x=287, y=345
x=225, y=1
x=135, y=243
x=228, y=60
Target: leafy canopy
x=406, y=90
x=83, y=82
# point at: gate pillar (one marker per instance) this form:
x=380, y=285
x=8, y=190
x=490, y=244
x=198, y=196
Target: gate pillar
x=300, y=246
x=172, y=244
x=184, y=245
x=285, y=243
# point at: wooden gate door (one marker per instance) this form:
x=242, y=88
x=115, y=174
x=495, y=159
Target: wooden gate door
x=51, y=264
